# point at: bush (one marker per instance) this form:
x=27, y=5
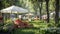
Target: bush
x=8, y=25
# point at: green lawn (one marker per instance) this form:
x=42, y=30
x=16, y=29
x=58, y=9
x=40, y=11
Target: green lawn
x=34, y=30
x=37, y=29
x=26, y=31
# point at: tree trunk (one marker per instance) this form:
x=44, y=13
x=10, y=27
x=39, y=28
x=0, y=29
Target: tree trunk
x=1, y=6
x=47, y=9
x=40, y=7
x=57, y=12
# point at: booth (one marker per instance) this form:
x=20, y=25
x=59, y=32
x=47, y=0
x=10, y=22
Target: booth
x=12, y=12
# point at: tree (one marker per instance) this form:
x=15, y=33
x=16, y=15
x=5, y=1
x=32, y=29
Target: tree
x=1, y=6
x=47, y=9
x=37, y=5
x=6, y=3
x=57, y=12
x=40, y=2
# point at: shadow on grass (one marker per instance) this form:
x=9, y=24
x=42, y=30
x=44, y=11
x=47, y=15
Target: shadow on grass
x=25, y=30
x=4, y=32
x=20, y=32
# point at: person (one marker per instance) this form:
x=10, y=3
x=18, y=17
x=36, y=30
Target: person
x=1, y=18
x=44, y=17
x=18, y=23
x=36, y=18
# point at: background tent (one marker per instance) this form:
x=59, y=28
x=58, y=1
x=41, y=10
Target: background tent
x=53, y=13
x=14, y=9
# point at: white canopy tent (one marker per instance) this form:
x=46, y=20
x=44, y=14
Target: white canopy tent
x=51, y=14
x=14, y=9
x=12, y=12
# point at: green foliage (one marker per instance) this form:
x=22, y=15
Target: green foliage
x=52, y=5
x=31, y=5
x=8, y=25
x=40, y=27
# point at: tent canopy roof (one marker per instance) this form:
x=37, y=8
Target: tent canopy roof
x=14, y=9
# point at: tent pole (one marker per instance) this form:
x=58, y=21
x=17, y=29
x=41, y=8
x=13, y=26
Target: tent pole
x=17, y=14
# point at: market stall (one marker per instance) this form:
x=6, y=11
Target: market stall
x=12, y=12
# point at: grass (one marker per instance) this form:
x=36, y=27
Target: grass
x=26, y=31
x=37, y=29
x=34, y=30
